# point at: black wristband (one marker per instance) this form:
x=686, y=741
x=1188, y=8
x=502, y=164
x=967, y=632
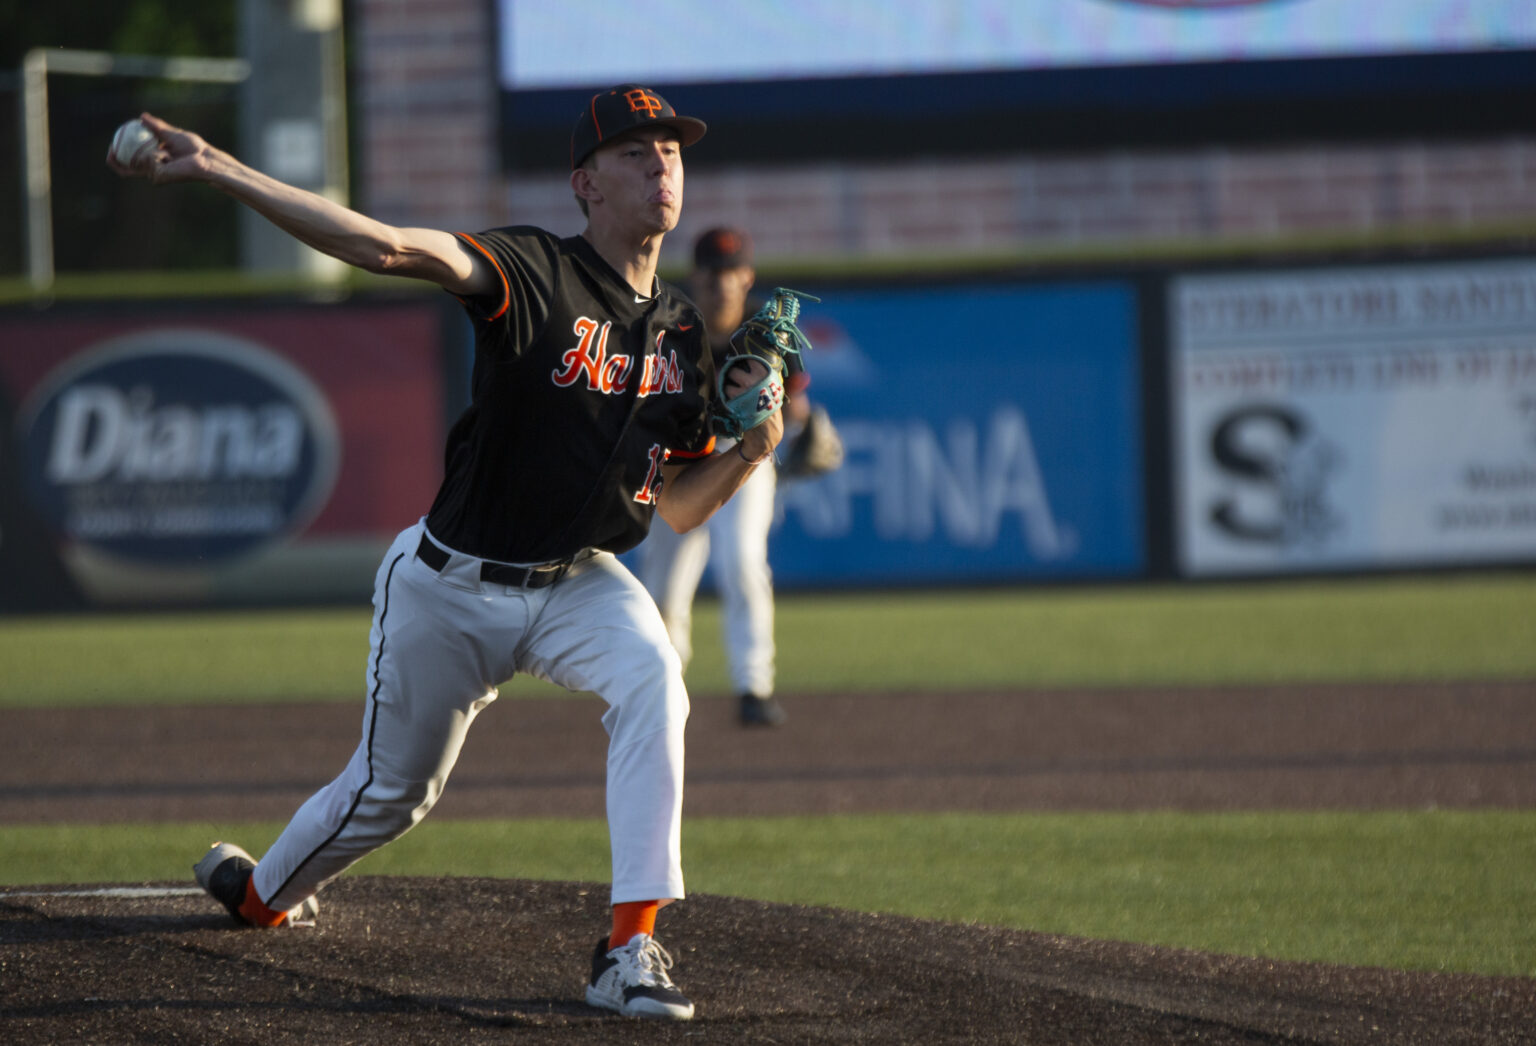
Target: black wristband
x=748, y=460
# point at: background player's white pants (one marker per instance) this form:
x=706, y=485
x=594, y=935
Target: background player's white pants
x=441, y=644
x=736, y=540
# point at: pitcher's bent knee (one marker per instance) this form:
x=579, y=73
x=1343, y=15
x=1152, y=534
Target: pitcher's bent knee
x=647, y=699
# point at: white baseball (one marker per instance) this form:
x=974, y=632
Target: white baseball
x=132, y=142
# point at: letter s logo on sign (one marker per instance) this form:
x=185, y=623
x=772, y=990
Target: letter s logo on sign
x=178, y=448
x=1280, y=469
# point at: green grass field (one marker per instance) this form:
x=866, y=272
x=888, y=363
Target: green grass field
x=1448, y=627
x=1426, y=890
x=1419, y=889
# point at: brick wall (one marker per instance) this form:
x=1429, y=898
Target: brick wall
x=425, y=96
x=1158, y=200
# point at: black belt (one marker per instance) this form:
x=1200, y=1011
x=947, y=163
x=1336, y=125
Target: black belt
x=499, y=573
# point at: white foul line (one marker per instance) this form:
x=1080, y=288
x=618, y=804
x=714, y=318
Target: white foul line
x=111, y=891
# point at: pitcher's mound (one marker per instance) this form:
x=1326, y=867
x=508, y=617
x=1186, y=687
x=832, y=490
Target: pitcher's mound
x=465, y=961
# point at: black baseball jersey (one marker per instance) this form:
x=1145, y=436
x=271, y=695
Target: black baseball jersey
x=580, y=392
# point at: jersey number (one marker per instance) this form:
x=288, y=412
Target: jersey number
x=646, y=495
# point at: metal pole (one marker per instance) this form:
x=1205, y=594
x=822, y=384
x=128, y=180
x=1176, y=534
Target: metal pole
x=34, y=102
x=292, y=122
x=105, y=63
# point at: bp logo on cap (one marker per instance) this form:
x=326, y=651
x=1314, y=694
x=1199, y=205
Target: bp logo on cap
x=642, y=101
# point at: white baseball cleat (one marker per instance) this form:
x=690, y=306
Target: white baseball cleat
x=632, y=981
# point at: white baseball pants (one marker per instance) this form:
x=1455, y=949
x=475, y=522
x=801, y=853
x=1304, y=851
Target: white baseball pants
x=442, y=642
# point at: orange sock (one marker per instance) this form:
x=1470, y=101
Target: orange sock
x=255, y=912
x=630, y=918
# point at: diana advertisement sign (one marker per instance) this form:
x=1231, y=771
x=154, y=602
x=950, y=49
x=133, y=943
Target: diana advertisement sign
x=176, y=447
x=992, y=433
x=220, y=457
x=1360, y=418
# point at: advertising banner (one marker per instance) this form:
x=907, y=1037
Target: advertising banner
x=1354, y=418
x=992, y=434
x=546, y=43
x=214, y=456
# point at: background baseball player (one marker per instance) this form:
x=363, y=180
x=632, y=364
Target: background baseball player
x=735, y=540
x=590, y=411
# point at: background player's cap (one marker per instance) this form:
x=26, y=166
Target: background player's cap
x=723, y=248
x=612, y=113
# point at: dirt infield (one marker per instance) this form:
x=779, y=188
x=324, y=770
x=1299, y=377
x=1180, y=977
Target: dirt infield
x=1463, y=745
x=471, y=961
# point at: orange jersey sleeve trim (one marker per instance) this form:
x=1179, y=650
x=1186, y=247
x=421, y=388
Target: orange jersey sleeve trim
x=506, y=290
x=709, y=448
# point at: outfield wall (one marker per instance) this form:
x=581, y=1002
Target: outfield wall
x=217, y=453
x=1237, y=422
x=1353, y=418
x=1011, y=428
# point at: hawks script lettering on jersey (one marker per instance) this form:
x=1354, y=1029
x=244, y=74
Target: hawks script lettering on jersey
x=610, y=374
x=635, y=381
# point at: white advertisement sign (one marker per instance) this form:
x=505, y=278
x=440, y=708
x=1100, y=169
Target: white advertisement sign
x=581, y=43
x=1354, y=418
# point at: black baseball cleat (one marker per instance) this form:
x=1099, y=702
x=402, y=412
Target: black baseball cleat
x=224, y=872
x=632, y=981
x=761, y=711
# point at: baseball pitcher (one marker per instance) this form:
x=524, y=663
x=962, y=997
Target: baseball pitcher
x=594, y=406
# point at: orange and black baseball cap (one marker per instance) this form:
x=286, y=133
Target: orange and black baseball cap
x=628, y=107
x=723, y=247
